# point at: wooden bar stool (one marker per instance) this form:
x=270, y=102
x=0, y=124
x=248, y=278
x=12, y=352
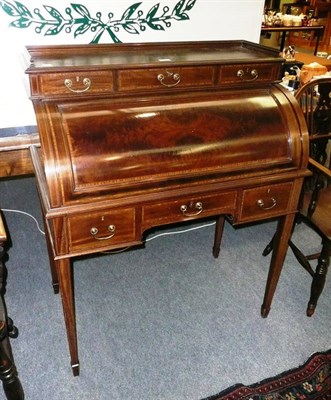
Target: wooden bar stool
x=8, y=373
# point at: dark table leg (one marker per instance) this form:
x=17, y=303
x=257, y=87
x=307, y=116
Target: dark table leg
x=319, y=277
x=218, y=235
x=8, y=373
x=282, y=42
x=318, y=34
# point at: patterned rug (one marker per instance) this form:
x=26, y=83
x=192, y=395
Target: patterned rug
x=308, y=382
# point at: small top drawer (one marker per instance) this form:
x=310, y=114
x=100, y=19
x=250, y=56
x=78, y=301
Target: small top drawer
x=163, y=78
x=76, y=83
x=248, y=73
x=265, y=201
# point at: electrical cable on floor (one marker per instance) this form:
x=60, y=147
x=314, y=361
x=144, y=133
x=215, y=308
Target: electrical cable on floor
x=178, y=232
x=159, y=235
x=25, y=213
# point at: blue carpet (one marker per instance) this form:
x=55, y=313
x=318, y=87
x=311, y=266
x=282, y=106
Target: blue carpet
x=164, y=322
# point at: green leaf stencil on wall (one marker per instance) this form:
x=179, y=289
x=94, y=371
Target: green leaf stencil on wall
x=76, y=19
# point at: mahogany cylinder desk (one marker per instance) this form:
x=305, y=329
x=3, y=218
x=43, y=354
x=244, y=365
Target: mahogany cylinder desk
x=135, y=136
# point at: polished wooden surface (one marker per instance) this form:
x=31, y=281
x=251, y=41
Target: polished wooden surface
x=318, y=31
x=15, y=157
x=142, y=135
x=292, y=28
x=62, y=57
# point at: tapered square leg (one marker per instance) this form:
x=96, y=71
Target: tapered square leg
x=280, y=246
x=66, y=283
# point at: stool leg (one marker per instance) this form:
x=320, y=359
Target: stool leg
x=8, y=373
x=319, y=277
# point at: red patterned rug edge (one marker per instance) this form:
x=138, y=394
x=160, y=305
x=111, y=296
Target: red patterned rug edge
x=288, y=380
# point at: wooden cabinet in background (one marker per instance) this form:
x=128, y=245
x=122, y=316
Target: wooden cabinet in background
x=322, y=11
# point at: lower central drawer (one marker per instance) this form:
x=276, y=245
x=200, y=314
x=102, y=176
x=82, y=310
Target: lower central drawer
x=102, y=228
x=189, y=207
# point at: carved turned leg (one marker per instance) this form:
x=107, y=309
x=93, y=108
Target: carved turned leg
x=280, y=245
x=8, y=373
x=65, y=274
x=319, y=277
x=218, y=235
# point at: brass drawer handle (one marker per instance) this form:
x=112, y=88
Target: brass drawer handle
x=86, y=82
x=174, y=76
x=272, y=204
x=251, y=77
x=197, y=207
x=94, y=231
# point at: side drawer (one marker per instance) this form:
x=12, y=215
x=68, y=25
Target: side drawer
x=248, y=73
x=76, y=83
x=186, y=208
x=100, y=229
x=165, y=78
x=266, y=201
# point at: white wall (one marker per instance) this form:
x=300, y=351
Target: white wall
x=208, y=20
